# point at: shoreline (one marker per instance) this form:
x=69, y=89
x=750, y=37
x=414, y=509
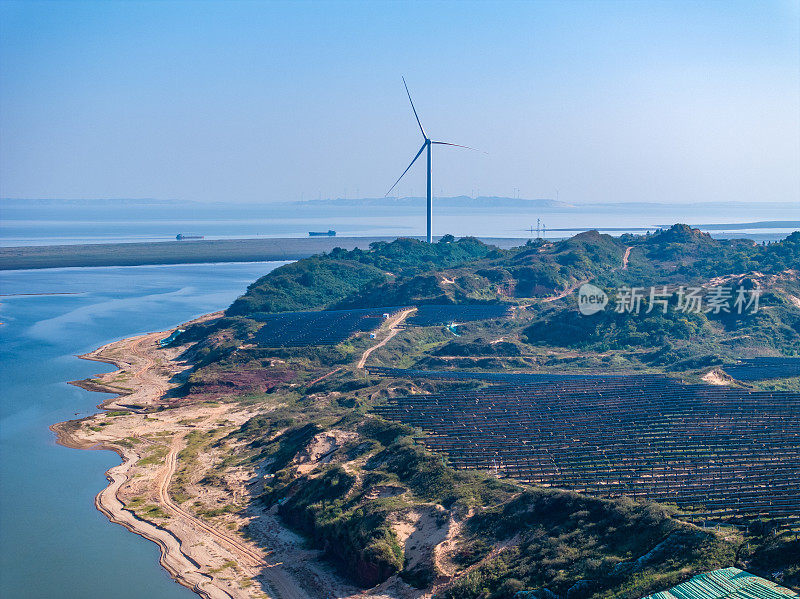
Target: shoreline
x=154, y=253
x=108, y=502
x=193, y=552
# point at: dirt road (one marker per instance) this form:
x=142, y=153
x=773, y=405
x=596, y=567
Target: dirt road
x=626, y=256
x=565, y=293
x=252, y=557
x=572, y=288
x=173, y=559
x=192, y=550
x=393, y=329
x=249, y=558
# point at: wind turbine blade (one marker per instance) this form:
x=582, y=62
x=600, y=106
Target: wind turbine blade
x=446, y=143
x=405, y=171
x=414, y=109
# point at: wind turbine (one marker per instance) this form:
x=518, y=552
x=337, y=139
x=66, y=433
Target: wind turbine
x=426, y=145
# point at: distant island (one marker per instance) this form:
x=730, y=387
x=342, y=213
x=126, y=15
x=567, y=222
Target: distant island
x=27, y=208
x=479, y=202
x=465, y=421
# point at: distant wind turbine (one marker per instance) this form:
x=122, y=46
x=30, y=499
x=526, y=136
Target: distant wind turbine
x=425, y=145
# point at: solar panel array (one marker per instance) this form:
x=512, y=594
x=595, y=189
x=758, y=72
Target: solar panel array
x=433, y=315
x=761, y=369
x=715, y=451
x=466, y=375
x=328, y=327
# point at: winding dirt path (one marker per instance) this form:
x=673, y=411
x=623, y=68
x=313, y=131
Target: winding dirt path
x=324, y=376
x=564, y=293
x=393, y=329
x=571, y=288
x=147, y=373
x=249, y=558
x=626, y=256
x=189, y=546
x=254, y=559
x=185, y=570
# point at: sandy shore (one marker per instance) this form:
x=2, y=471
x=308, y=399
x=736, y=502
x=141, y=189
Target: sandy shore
x=193, y=504
x=148, y=432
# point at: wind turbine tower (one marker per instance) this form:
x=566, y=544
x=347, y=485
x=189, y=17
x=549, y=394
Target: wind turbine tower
x=426, y=145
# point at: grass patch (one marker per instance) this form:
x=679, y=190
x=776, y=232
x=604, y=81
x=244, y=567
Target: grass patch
x=228, y=564
x=135, y=502
x=155, y=456
x=217, y=511
x=115, y=413
x=152, y=511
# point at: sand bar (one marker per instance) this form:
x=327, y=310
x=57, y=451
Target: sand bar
x=190, y=251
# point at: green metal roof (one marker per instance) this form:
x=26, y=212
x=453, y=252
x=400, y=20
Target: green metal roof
x=728, y=583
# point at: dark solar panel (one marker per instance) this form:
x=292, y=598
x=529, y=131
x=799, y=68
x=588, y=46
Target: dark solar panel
x=717, y=452
x=761, y=369
x=328, y=327
x=464, y=375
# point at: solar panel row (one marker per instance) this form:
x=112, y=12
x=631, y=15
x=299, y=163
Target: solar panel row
x=505, y=377
x=761, y=369
x=718, y=451
x=327, y=327
x=298, y=329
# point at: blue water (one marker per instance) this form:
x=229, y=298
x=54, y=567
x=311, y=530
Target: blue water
x=59, y=223
x=53, y=543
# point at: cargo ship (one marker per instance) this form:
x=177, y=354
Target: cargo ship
x=328, y=233
x=182, y=236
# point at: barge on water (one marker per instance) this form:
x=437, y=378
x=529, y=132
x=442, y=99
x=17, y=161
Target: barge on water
x=182, y=236
x=328, y=233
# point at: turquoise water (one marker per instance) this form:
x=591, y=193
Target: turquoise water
x=53, y=543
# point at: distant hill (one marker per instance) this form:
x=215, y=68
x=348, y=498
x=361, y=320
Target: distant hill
x=445, y=202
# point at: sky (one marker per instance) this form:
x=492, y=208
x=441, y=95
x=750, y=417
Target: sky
x=599, y=101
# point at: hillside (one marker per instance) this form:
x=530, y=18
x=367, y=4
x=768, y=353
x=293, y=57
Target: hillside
x=465, y=271
x=394, y=516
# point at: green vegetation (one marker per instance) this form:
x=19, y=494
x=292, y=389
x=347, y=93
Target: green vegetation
x=196, y=442
x=337, y=509
x=217, y=511
x=113, y=413
x=674, y=340
x=305, y=285
x=228, y=564
x=155, y=456
x=567, y=542
x=768, y=554
x=324, y=281
x=135, y=502
x=152, y=511
x=366, y=474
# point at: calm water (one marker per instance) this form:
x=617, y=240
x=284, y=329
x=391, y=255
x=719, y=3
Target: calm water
x=53, y=543
x=130, y=223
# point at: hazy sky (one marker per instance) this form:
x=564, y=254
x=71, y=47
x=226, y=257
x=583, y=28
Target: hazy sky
x=267, y=101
